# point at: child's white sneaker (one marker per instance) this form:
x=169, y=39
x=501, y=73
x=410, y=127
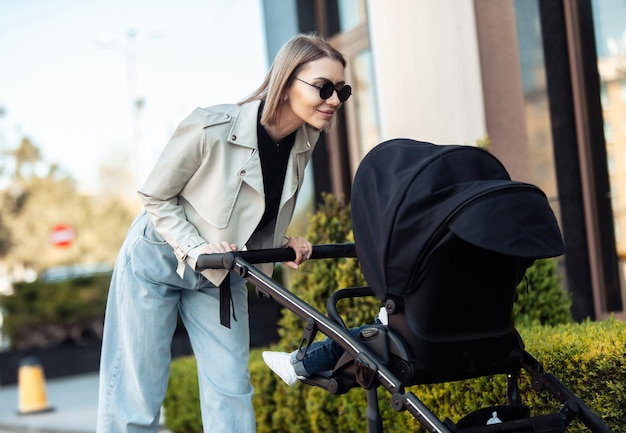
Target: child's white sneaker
x=280, y=363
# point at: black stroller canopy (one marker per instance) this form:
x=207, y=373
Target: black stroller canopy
x=407, y=195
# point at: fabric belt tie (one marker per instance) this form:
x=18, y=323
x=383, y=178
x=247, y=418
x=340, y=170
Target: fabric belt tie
x=226, y=300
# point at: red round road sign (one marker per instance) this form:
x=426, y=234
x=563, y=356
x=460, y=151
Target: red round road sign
x=62, y=235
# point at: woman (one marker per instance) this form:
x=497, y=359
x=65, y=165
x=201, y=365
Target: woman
x=227, y=179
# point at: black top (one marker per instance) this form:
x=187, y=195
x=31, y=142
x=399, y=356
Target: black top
x=274, y=157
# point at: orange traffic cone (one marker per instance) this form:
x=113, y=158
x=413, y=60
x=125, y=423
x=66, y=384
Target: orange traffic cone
x=32, y=387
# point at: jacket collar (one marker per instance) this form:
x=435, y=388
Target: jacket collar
x=243, y=134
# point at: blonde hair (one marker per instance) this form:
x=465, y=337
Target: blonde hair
x=291, y=58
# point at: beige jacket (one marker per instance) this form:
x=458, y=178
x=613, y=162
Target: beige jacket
x=207, y=184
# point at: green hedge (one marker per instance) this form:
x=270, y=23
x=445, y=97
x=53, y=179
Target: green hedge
x=47, y=314
x=590, y=358
x=541, y=298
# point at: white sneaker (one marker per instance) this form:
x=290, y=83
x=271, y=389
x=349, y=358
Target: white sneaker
x=280, y=363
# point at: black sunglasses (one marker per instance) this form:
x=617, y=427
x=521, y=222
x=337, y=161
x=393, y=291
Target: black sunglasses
x=327, y=89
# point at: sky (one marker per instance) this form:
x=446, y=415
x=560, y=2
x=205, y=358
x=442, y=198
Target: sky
x=71, y=72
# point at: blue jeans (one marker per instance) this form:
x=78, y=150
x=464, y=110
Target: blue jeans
x=321, y=355
x=145, y=298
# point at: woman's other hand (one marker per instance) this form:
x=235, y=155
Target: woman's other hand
x=303, y=249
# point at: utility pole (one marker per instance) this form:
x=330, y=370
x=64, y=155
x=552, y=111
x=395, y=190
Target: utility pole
x=137, y=101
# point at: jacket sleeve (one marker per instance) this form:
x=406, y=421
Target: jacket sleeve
x=177, y=163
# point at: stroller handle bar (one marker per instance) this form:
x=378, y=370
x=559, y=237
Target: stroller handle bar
x=271, y=255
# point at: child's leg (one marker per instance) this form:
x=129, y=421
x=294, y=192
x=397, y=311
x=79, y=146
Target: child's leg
x=321, y=355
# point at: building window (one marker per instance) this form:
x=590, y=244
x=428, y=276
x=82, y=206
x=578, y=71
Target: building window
x=604, y=96
x=608, y=132
x=352, y=13
x=362, y=124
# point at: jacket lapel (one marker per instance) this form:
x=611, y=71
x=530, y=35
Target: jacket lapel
x=245, y=136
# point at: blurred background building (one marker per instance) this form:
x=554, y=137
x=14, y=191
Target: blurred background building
x=544, y=82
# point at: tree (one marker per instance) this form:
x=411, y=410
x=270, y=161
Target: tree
x=32, y=205
x=100, y=224
x=5, y=238
x=27, y=154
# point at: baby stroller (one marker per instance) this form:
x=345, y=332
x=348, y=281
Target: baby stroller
x=443, y=237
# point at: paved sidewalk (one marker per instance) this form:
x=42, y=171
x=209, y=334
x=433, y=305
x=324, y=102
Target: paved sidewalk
x=74, y=403
x=73, y=397
x=73, y=400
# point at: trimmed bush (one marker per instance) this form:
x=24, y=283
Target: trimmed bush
x=541, y=298
x=182, y=401
x=47, y=314
x=316, y=280
x=589, y=358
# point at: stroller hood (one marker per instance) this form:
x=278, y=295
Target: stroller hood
x=408, y=194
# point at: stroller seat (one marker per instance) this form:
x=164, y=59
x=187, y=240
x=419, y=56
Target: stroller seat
x=457, y=325
x=459, y=322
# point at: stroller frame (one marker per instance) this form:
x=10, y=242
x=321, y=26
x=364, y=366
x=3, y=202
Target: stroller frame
x=370, y=371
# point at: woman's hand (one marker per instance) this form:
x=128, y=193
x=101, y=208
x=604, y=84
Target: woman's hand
x=219, y=247
x=302, y=248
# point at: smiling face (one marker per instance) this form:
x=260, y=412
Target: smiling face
x=303, y=103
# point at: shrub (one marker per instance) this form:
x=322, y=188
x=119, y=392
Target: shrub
x=588, y=358
x=541, y=297
x=182, y=401
x=46, y=314
x=316, y=280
